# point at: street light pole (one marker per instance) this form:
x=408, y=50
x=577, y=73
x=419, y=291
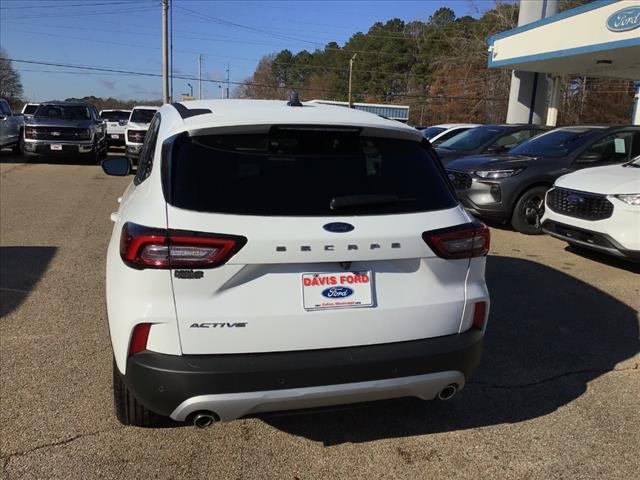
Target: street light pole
x=165, y=54
x=227, y=80
x=350, y=72
x=190, y=89
x=200, y=77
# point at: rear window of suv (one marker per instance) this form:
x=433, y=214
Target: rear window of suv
x=303, y=173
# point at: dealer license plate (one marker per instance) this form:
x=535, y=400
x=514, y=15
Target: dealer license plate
x=56, y=146
x=323, y=291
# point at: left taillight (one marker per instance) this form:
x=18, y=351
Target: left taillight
x=462, y=241
x=145, y=247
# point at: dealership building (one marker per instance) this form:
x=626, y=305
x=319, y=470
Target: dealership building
x=599, y=39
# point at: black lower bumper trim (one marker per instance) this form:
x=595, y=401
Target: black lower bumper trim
x=162, y=382
x=589, y=239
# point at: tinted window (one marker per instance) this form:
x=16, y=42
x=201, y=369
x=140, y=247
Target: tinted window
x=4, y=108
x=140, y=115
x=472, y=139
x=66, y=112
x=507, y=142
x=450, y=134
x=115, y=115
x=30, y=109
x=557, y=143
x=300, y=173
x=145, y=162
x=432, y=132
x=613, y=148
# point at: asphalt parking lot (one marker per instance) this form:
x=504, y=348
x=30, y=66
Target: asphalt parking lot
x=557, y=394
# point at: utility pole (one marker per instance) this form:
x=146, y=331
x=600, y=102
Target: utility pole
x=350, y=72
x=200, y=77
x=227, y=81
x=165, y=54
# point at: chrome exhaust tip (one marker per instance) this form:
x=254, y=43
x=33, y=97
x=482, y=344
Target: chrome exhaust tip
x=448, y=392
x=204, y=420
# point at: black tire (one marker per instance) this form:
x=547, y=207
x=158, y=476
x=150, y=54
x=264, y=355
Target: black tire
x=528, y=211
x=18, y=148
x=129, y=411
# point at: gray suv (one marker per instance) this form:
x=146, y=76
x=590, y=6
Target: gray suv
x=65, y=128
x=512, y=186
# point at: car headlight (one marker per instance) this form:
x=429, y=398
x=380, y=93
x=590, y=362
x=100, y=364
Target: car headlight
x=630, y=198
x=493, y=174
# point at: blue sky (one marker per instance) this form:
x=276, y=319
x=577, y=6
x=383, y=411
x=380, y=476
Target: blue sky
x=126, y=35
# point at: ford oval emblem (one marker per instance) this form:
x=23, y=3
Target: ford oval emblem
x=338, y=227
x=574, y=200
x=337, y=292
x=624, y=20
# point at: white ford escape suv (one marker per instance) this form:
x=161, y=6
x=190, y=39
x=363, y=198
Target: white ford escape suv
x=273, y=255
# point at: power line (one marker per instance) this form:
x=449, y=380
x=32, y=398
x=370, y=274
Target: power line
x=60, y=5
x=281, y=87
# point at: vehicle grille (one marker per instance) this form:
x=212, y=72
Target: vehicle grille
x=61, y=133
x=587, y=206
x=459, y=180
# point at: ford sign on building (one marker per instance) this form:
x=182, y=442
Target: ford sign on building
x=624, y=20
x=598, y=39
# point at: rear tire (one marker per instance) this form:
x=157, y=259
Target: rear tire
x=129, y=411
x=528, y=211
x=18, y=148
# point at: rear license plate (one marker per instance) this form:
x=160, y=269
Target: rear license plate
x=115, y=136
x=56, y=146
x=323, y=291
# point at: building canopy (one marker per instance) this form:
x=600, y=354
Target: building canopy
x=599, y=39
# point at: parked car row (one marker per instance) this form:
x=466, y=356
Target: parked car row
x=73, y=128
x=505, y=172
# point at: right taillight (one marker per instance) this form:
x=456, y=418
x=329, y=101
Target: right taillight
x=462, y=241
x=145, y=247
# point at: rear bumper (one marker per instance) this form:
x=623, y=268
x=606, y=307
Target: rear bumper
x=236, y=385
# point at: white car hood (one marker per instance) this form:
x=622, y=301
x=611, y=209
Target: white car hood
x=609, y=180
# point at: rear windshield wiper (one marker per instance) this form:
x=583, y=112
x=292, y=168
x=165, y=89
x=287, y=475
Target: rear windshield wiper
x=346, y=201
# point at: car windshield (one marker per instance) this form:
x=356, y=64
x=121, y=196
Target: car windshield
x=142, y=115
x=115, y=115
x=65, y=112
x=431, y=132
x=30, y=109
x=472, y=139
x=557, y=143
x=304, y=173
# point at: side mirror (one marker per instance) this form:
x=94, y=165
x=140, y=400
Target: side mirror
x=117, y=166
x=591, y=157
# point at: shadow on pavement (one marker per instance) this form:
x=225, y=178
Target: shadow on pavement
x=549, y=335
x=610, y=260
x=20, y=270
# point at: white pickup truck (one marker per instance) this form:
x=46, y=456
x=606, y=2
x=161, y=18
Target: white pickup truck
x=11, y=125
x=116, y=121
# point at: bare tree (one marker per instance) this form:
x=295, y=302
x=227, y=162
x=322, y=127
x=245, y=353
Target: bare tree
x=10, y=84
